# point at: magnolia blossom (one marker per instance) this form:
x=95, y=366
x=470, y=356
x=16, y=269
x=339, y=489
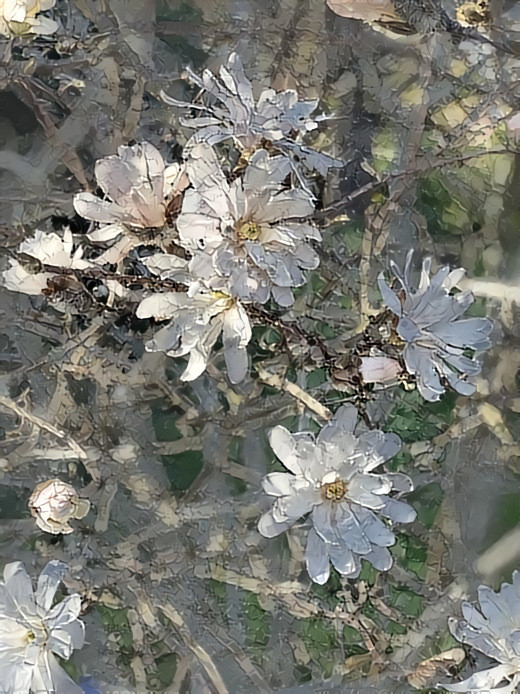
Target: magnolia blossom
x=19, y=17
x=332, y=477
x=137, y=186
x=435, y=333
x=252, y=227
x=198, y=317
x=230, y=111
x=493, y=629
x=46, y=249
x=54, y=503
x=32, y=631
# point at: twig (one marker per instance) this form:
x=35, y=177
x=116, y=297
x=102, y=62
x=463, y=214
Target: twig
x=42, y=424
x=282, y=383
x=202, y=655
x=423, y=165
x=265, y=316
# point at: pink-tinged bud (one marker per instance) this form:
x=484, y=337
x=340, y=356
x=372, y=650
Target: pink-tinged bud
x=54, y=503
x=379, y=369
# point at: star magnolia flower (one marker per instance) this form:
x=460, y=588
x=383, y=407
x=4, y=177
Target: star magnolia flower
x=435, y=333
x=19, y=17
x=233, y=113
x=198, y=317
x=250, y=226
x=138, y=187
x=53, y=503
x=493, y=629
x=48, y=249
x=31, y=631
x=331, y=476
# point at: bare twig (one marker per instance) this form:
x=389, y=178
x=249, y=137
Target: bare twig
x=282, y=383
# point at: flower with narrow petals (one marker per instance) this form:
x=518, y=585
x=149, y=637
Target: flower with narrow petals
x=47, y=250
x=32, y=631
x=19, y=17
x=54, y=503
x=493, y=628
x=256, y=228
x=435, y=333
x=230, y=111
x=198, y=318
x=331, y=476
x=137, y=185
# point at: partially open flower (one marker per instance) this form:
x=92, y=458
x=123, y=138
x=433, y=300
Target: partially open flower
x=138, y=187
x=256, y=228
x=436, y=334
x=493, y=628
x=33, y=631
x=379, y=369
x=54, y=503
x=19, y=17
x=229, y=111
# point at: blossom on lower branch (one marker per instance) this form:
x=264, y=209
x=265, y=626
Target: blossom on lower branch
x=493, y=629
x=332, y=477
x=198, y=317
x=32, y=631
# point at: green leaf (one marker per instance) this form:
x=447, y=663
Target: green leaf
x=426, y=501
x=406, y=601
x=320, y=641
x=183, y=468
x=257, y=623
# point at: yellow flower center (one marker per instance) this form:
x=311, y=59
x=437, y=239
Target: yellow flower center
x=218, y=295
x=334, y=491
x=30, y=636
x=248, y=231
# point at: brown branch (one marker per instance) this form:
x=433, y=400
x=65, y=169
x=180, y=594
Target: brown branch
x=424, y=165
x=294, y=329
x=124, y=279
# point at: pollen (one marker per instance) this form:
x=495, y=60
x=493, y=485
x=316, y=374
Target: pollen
x=248, y=231
x=334, y=491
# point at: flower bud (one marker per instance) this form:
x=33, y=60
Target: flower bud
x=53, y=503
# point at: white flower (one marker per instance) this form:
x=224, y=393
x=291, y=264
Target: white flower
x=19, y=17
x=48, y=249
x=493, y=629
x=252, y=226
x=138, y=187
x=436, y=335
x=230, y=111
x=32, y=630
x=198, y=317
x=53, y=503
x=332, y=477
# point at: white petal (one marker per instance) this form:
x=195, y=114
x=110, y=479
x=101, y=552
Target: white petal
x=48, y=582
x=485, y=681
x=317, y=558
x=162, y=306
x=284, y=446
x=268, y=527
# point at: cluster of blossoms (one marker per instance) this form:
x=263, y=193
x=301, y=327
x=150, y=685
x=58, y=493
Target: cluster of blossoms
x=215, y=238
